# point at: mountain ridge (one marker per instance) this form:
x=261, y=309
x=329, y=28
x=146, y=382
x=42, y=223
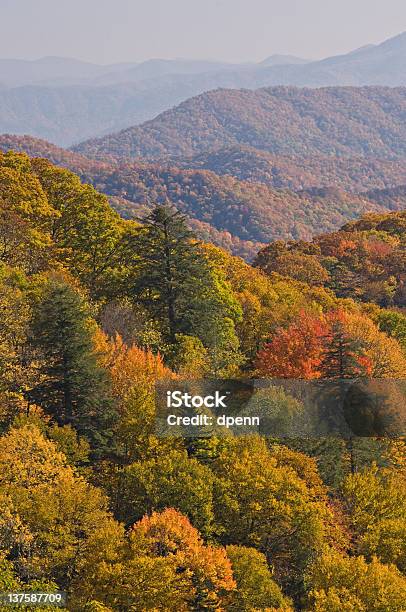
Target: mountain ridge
x=340, y=121
x=56, y=105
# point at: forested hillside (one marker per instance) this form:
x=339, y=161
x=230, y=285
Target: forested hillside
x=95, y=310
x=352, y=174
x=393, y=198
x=365, y=260
x=238, y=215
x=334, y=121
x=246, y=210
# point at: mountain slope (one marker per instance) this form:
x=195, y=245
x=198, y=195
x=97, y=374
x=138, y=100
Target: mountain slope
x=364, y=260
x=353, y=174
x=16, y=72
x=392, y=198
x=383, y=64
x=367, y=122
x=58, y=71
x=237, y=214
x=66, y=115
x=283, y=60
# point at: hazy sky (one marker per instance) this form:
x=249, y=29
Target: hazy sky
x=107, y=31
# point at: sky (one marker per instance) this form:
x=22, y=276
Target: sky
x=108, y=31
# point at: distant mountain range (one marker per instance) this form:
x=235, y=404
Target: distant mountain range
x=283, y=60
x=61, y=71
x=65, y=100
x=247, y=166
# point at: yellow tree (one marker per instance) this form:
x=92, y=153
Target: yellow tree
x=262, y=501
x=170, y=534
x=256, y=587
x=385, y=355
x=69, y=529
x=375, y=500
x=134, y=372
x=338, y=583
x=165, y=566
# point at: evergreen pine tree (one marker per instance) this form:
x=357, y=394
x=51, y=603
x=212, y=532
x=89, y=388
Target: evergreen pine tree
x=173, y=280
x=343, y=359
x=72, y=387
x=343, y=355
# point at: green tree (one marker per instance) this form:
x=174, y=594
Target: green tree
x=175, y=282
x=262, y=502
x=386, y=540
x=71, y=387
x=89, y=236
x=374, y=495
x=172, y=480
x=16, y=372
x=394, y=325
x=342, y=354
x=189, y=359
x=376, y=503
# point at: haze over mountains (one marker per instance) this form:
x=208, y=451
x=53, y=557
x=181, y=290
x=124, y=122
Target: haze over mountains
x=65, y=100
x=51, y=71
x=246, y=166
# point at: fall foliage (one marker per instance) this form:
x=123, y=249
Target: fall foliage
x=95, y=310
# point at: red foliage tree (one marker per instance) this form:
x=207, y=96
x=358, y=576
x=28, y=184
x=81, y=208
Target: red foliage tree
x=295, y=352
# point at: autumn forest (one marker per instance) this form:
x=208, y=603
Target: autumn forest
x=94, y=503
x=244, y=235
